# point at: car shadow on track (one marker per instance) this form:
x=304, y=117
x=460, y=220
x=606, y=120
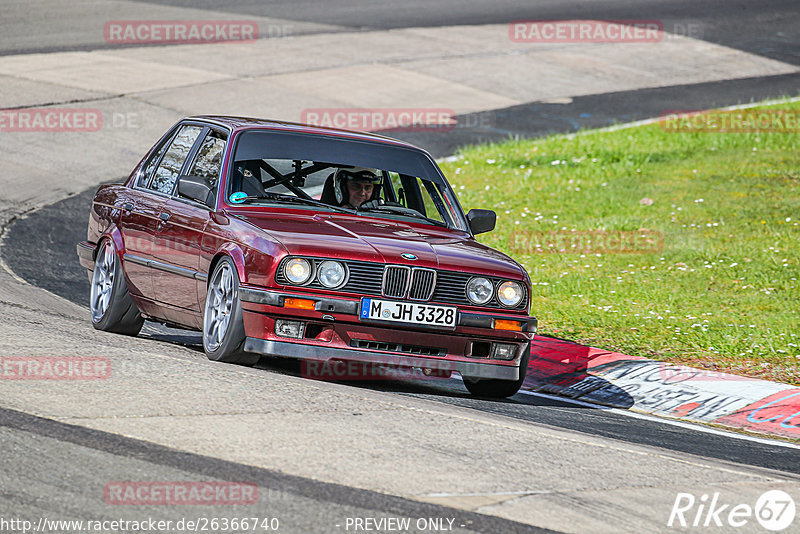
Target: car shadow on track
x=174, y=336
x=562, y=367
x=557, y=367
x=449, y=390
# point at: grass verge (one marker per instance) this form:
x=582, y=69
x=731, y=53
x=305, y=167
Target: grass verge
x=682, y=247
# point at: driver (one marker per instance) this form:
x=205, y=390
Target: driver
x=356, y=186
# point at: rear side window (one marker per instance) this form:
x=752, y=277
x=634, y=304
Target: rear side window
x=147, y=174
x=209, y=158
x=168, y=170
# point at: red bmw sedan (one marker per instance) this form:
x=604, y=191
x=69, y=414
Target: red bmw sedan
x=303, y=242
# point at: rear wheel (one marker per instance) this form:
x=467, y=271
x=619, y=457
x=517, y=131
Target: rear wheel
x=112, y=307
x=499, y=389
x=223, y=327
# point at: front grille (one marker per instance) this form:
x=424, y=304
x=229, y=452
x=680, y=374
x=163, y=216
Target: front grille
x=365, y=278
x=395, y=281
x=423, y=282
x=400, y=282
x=397, y=347
x=451, y=288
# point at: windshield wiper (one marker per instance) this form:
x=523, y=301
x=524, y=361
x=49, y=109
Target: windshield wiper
x=290, y=198
x=402, y=210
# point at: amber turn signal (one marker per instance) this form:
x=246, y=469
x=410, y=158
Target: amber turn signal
x=503, y=324
x=300, y=304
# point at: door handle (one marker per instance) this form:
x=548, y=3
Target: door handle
x=164, y=216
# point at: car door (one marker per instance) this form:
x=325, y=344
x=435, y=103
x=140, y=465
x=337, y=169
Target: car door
x=139, y=209
x=182, y=222
x=142, y=223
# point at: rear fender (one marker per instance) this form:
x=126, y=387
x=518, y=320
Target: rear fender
x=112, y=233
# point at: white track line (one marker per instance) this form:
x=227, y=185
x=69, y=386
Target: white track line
x=700, y=427
x=653, y=120
x=644, y=122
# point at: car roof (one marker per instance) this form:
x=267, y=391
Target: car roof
x=250, y=123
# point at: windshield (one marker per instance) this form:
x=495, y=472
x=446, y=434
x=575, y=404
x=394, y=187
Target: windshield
x=340, y=175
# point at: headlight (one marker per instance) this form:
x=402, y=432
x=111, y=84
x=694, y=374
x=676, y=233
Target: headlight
x=298, y=270
x=510, y=294
x=331, y=273
x=479, y=290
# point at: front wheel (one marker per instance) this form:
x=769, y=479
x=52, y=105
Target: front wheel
x=223, y=327
x=110, y=303
x=493, y=388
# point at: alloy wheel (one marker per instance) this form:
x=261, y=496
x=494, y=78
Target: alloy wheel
x=219, y=307
x=103, y=281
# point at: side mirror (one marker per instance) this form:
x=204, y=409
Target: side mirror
x=197, y=188
x=481, y=221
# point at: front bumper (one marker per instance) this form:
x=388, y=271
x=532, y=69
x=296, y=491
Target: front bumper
x=312, y=352
x=352, y=307
x=334, y=332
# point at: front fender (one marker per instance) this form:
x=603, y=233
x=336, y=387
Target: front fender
x=236, y=254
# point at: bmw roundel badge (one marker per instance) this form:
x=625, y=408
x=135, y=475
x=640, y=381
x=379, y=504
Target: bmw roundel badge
x=408, y=256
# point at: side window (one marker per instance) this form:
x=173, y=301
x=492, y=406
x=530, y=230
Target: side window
x=144, y=177
x=209, y=158
x=418, y=194
x=170, y=167
x=431, y=199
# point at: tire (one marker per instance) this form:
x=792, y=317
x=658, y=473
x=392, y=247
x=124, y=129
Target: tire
x=110, y=303
x=493, y=388
x=223, y=327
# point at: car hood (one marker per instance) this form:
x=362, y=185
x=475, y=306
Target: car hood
x=365, y=239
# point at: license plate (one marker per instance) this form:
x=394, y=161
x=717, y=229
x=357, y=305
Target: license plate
x=408, y=312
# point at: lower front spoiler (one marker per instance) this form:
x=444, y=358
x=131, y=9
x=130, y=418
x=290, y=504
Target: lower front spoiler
x=312, y=352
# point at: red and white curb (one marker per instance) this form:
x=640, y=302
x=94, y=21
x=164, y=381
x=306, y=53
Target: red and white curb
x=612, y=379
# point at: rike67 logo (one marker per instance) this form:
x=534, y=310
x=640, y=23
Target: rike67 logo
x=774, y=510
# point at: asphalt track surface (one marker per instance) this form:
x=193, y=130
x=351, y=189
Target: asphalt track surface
x=57, y=228
x=300, y=504
x=769, y=28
